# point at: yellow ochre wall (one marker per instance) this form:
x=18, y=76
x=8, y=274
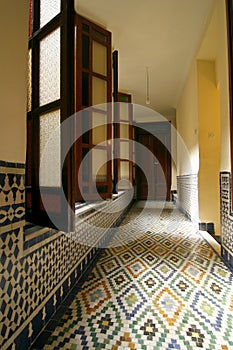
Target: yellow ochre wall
x=187, y=126
x=203, y=116
x=209, y=144
x=223, y=83
x=13, y=79
x=214, y=48
x=173, y=153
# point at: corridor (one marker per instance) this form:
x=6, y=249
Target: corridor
x=158, y=285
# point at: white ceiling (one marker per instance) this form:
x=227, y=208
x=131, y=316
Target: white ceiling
x=163, y=35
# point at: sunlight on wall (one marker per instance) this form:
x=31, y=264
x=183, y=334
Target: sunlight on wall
x=214, y=48
x=174, y=154
x=187, y=125
x=222, y=81
x=209, y=144
x=203, y=116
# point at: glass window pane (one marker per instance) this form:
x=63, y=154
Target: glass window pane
x=50, y=68
x=124, y=131
x=85, y=127
x=29, y=82
x=124, y=170
x=85, y=27
x=99, y=91
x=85, y=165
x=85, y=189
x=99, y=128
x=99, y=36
x=85, y=89
x=101, y=189
x=50, y=172
x=85, y=51
x=124, y=150
x=48, y=10
x=99, y=165
x=124, y=111
x=124, y=98
x=99, y=58
x=29, y=153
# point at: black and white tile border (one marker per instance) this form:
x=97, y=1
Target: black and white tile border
x=226, y=218
x=36, y=279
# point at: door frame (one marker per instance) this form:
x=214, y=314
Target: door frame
x=162, y=132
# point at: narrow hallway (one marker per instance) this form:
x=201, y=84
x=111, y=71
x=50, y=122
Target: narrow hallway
x=163, y=287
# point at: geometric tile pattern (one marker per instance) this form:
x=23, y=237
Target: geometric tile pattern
x=150, y=283
x=200, y=261
x=95, y=296
x=208, y=309
x=34, y=282
x=27, y=281
x=187, y=189
x=193, y=271
x=164, y=270
x=179, y=300
x=222, y=273
x=130, y=301
x=12, y=196
x=226, y=217
x=119, y=280
x=168, y=305
x=136, y=267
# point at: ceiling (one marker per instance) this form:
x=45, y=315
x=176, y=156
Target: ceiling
x=163, y=35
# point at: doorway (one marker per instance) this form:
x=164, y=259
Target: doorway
x=156, y=183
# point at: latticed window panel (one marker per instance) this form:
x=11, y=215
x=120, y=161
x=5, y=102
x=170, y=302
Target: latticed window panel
x=49, y=80
x=48, y=10
x=50, y=175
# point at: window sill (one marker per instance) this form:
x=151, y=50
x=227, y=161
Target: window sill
x=81, y=209
x=35, y=236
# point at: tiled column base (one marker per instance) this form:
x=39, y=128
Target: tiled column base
x=226, y=219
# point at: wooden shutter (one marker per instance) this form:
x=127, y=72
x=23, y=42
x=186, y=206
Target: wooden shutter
x=93, y=87
x=125, y=144
x=50, y=102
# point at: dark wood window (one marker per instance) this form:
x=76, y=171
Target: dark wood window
x=125, y=144
x=50, y=102
x=94, y=90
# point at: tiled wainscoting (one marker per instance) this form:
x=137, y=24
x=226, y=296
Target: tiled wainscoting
x=226, y=218
x=35, y=278
x=187, y=189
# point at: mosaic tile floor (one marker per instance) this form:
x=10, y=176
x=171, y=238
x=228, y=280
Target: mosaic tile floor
x=163, y=287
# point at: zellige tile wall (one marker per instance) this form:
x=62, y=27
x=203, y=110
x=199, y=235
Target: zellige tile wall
x=36, y=279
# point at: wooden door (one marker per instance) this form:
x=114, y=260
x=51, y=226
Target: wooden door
x=145, y=187
x=162, y=171
x=155, y=182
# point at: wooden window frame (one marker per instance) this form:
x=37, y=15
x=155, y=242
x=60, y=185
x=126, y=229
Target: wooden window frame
x=80, y=22
x=126, y=98
x=35, y=211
